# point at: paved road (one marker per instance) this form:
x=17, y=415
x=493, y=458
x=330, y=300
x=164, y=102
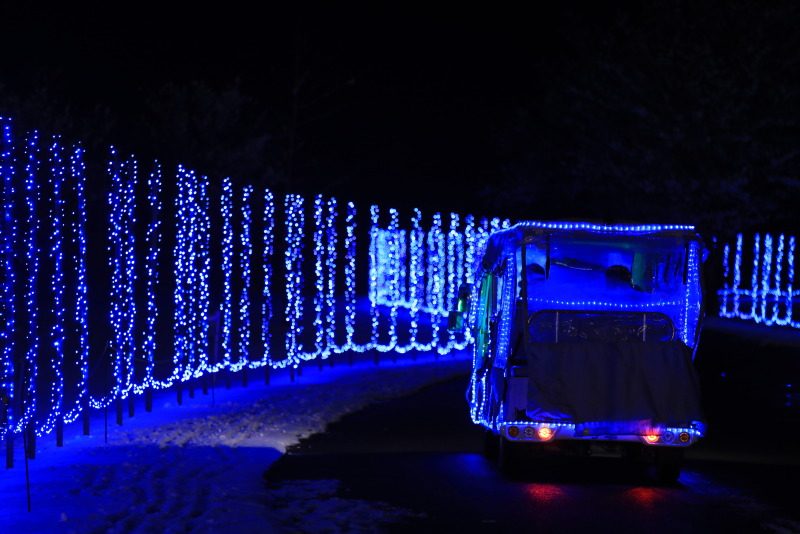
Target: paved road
x=422, y=453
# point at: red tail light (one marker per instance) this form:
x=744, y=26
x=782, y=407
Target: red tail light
x=651, y=438
x=545, y=433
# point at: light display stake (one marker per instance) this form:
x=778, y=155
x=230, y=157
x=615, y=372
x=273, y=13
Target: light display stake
x=32, y=251
x=754, y=279
x=226, y=306
x=8, y=231
x=81, y=310
x=778, y=267
x=394, y=279
x=245, y=256
x=435, y=263
x=737, y=274
x=153, y=241
x=373, y=275
x=204, y=244
x=266, y=294
x=330, y=263
x=350, y=274
x=57, y=286
x=295, y=222
x=789, y=289
x=117, y=341
x=452, y=260
x=766, y=269
x=402, y=259
x=469, y=237
x=187, y=281
x=416, y=274
x=319, y=274
x=190, y=239
x=129, y=262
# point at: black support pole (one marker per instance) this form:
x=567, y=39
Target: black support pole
x=30, y=448
x=9, y=449
x=86, y=415
x=59, y=432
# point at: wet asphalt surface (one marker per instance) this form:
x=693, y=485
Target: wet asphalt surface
x=422, y=453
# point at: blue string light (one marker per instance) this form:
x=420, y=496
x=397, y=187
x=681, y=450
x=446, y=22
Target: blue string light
x=737, y=274
x=394, y=275
x=117, y=340
x=778, y=268
x=153, y=242
x=373, y=275
x=226, y=306
x=766, y=283
x=245, y=257
x=766, y=271
x=81, y=309
x=416, y=273
x=30, y=371
x=295, y=222
x=57, y=285
x=319, y=273
x=789, y=289
x=625, y=229
x=129, y=270
x=183, y=281
x=350, y=275
x=266, y=257
x=330, y=263
x=204, y=267
x=8, y=231
x=452, y=280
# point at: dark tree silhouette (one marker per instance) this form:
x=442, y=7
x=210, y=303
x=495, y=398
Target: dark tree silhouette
x=676, y=111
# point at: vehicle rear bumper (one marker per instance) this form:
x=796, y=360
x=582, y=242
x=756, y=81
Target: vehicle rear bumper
x=544, y=432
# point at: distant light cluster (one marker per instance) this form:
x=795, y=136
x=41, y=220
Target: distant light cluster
x=771, y=295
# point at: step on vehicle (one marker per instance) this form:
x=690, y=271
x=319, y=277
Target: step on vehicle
x=585, y=336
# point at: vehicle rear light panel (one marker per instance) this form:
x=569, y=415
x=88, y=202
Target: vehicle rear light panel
x=534, y=431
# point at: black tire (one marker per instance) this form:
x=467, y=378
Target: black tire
x=667, y=465
x=508, y=455
x=491, y=444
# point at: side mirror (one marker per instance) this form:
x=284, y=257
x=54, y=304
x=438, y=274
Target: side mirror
x=456, y=318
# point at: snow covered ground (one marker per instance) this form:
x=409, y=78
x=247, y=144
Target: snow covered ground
x=198, y=467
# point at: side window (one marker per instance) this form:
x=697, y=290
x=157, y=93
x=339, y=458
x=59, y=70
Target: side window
x=499, y=345
x=483, y=319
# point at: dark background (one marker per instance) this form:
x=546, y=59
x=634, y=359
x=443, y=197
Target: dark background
x=667, y=111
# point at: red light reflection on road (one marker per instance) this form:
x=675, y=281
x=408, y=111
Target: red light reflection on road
x=545, y=493
x=644, y=497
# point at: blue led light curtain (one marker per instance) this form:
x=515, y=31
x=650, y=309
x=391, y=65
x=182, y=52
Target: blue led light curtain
x=106, y=294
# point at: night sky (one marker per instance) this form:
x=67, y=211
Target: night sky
x=653, y=110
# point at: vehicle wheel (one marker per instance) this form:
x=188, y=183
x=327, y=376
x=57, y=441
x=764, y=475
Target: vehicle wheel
x=491, y=443
x=508, y=453
x=668, y=464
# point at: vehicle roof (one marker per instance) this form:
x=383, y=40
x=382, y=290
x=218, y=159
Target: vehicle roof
x=502, y=242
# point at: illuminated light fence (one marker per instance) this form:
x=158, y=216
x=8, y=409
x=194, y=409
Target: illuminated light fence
x=420, y=268
x=759, y=280
x=108, y=296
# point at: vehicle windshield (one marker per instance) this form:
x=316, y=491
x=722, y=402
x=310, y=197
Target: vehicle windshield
x=630, y=273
